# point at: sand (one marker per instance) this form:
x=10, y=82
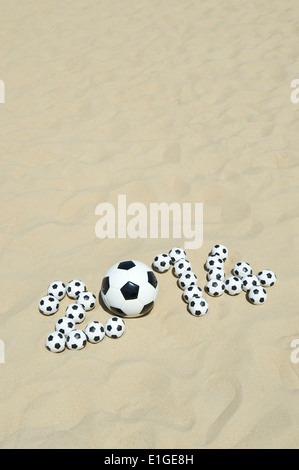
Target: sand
x=161, y=101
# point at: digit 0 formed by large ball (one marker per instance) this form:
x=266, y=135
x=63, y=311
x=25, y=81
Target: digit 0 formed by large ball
x=129, y=289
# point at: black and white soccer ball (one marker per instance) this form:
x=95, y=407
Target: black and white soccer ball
x=57, y=289
x=65, y=325
x=266, y=277
x=190, y=292
x=215, y=288
x=114, y=327
x=129, y=289
x=257, y=295
x=187, y=279
x=216, y=273
x=233, y=285
x=48, y=305
x=250, y=281
x=176, y=254
x=242, y=269
x=198, y=306
x=55, y=342
x=214, y=261
x=95, y=332
x=87, y=299
x=75, y=312
x=181, y=266
x=162, y=263
x=74, y=288
x=220, y=250
x=76, y=340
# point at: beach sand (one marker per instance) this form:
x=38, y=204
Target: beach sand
x=161, y=101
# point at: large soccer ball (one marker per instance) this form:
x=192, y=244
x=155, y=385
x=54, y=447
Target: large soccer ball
x=129, y=289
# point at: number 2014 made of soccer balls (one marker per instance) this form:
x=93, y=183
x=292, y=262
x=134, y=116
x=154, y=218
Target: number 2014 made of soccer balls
x=129, y=289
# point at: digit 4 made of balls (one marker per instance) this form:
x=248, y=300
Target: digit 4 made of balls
x=129, y=289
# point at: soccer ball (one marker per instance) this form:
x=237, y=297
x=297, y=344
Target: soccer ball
x=198, y=306
x=74, y=288
x=181, y=266
x=95, y=332
x=176, y=254
x=220, y=250
x=129, y=289
x=55, y=342
x=57, y=289
x=87, y=299
x=216, y=273
x=215, y=288
x=187, y=279
x=114, y=327
x=257, y=295
x=162, y=263
x=214, y=261
x=76, y=340
x=233, y=285
x=242, y=269
x=65, y=325
x=250, y=281
x=190, y=292
x=75, y=312
x=48, y=305
x=266, y=277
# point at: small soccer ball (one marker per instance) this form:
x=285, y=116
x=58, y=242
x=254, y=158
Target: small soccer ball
x=266, y=277
x=48, y=305
x=250, y=281
x=162, y=263
x=181, y=266
x=76, y=340
x=95, y=332
x=214, y=261
x=220, y=250
x=87, y=299
x=198, y=306
x=188, y=278
x=257, y=295
x=57, y=289
x=176, y=254
x=75, y=312
x=65, y=325
x=192, y=291
x=215, y=288
x=114, y=327
x=233, y=285
x=129, y=289
x=242, y=269
x=74, y=288
x=216, y=273
x=55, y=342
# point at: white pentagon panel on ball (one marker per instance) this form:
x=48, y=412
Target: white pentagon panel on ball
x=118, y=278
x=241, y=269
x=250, y=281
x=131, y=308
x=176, y=254
x=220, y=250
x=257, y=295
x=55, y=342
x=138, y=275
x=57, y=289
x=76, y=340
x=48, y=305
x=266, y=277
x=113, y=298
x=147, y=293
